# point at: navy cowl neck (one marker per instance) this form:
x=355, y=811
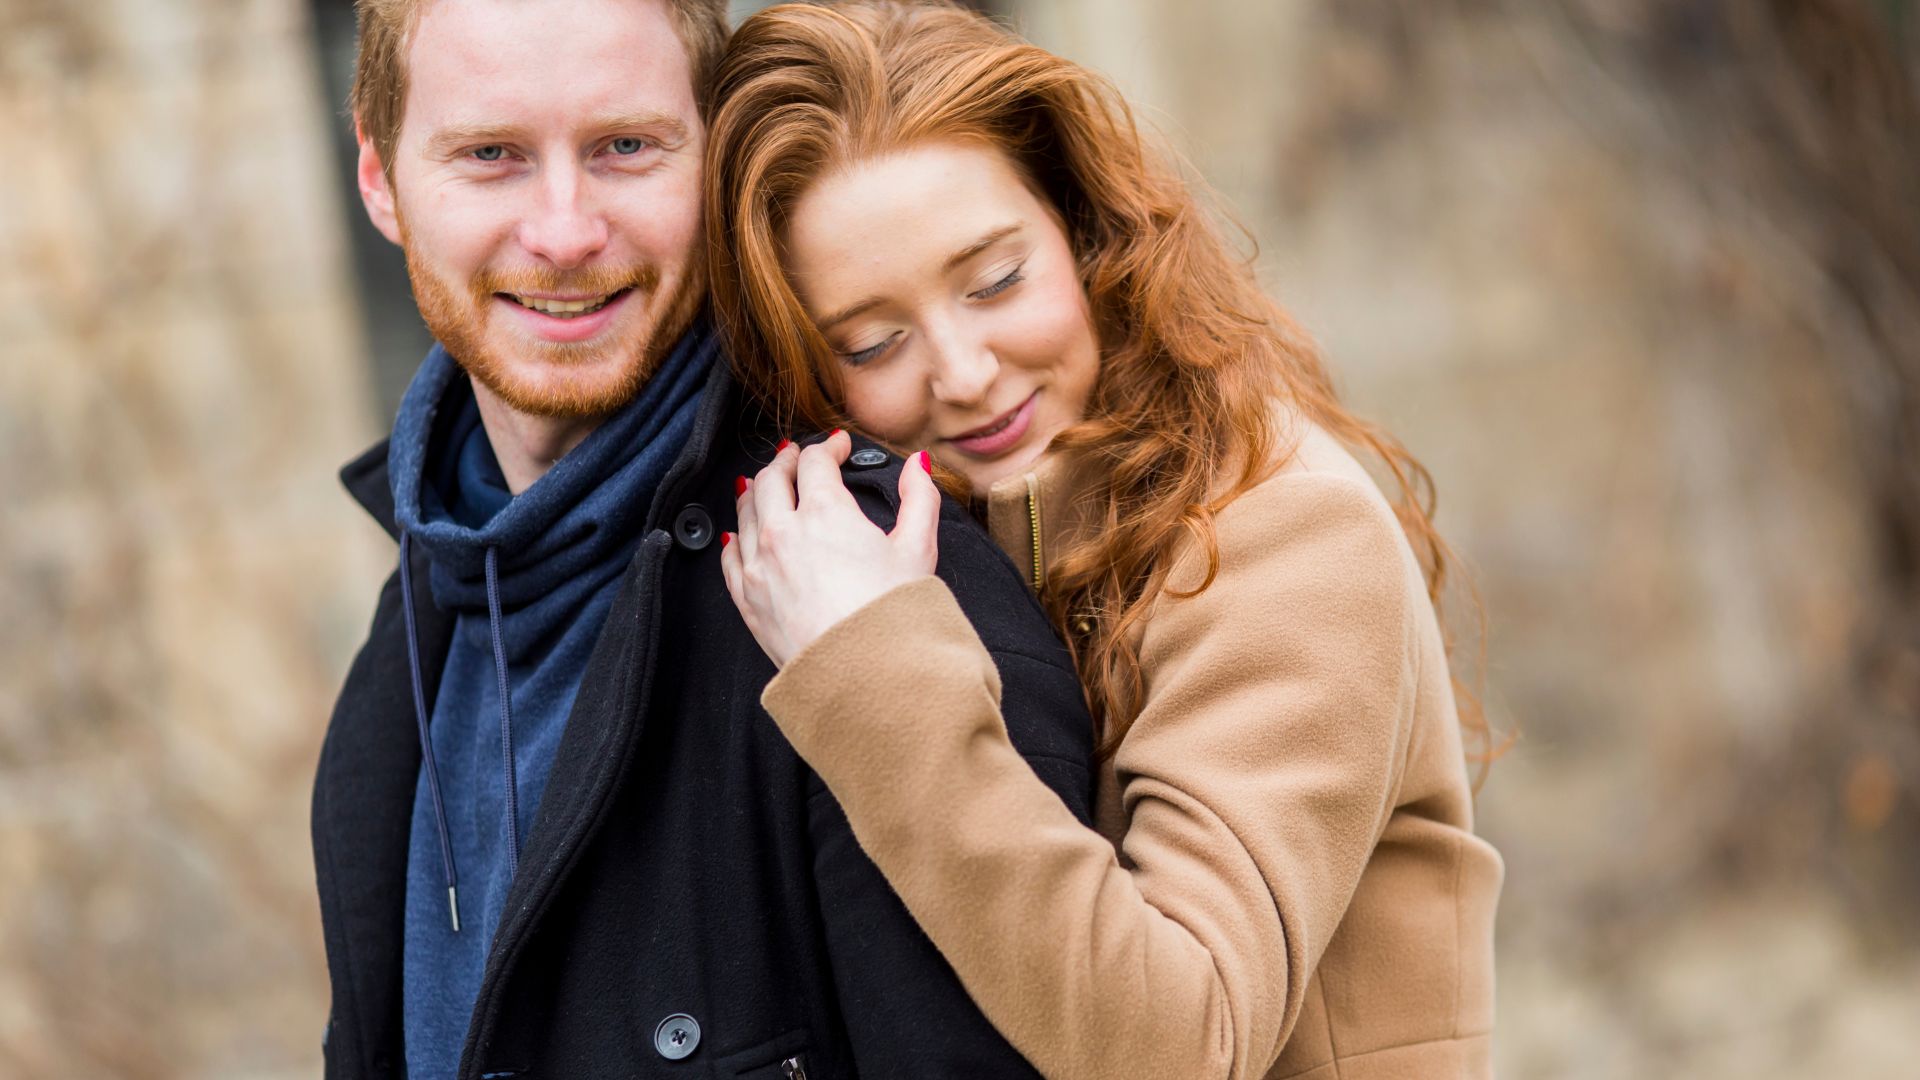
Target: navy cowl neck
x=568, y=533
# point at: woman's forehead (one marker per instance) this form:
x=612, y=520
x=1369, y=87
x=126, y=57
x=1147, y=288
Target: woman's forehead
x=913, y=212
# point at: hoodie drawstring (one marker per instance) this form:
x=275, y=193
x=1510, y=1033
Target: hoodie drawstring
x=426, y=741
x=506, y=713
x=420, y=715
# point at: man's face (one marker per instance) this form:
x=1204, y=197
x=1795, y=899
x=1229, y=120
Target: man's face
x=546, y=190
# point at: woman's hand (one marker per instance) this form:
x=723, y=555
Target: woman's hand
x=807, y=557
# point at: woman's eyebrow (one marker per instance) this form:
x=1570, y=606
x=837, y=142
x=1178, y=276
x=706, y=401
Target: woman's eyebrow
x=953, y=260
x=979, y=246
x=846, y=313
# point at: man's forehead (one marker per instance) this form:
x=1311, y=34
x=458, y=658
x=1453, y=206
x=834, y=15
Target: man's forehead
x=475, y=61
x=488, y=14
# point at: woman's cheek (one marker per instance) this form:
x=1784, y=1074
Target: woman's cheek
x=887, y=407
x=1054, y=326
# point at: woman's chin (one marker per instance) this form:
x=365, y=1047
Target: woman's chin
x=983, y=474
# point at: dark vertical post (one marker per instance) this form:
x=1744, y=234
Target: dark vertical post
x=395, y=339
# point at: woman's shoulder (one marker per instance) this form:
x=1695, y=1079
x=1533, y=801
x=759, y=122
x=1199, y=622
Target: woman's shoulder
x=1311, y=618
x=1316, y=512
x=1302, y=447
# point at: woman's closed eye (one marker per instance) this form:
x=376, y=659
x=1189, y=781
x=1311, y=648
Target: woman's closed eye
x=859, y=357
x=870, y=353
x=1014, y=277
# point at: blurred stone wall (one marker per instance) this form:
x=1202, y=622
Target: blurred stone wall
x=1555, y=247
x=180, y=575
x=1646, y=323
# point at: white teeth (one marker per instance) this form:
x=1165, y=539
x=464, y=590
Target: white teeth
x=566, y=309
x=994, y=430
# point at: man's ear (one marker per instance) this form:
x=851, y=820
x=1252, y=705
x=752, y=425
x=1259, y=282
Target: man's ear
x=375, y=192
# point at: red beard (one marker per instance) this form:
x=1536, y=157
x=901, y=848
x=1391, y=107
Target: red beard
x=561, y=380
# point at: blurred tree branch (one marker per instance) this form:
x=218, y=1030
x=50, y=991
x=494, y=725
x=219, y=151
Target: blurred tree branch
x=1807, y=111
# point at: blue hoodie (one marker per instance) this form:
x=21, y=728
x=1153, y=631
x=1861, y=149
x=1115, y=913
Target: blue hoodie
x=529, y=579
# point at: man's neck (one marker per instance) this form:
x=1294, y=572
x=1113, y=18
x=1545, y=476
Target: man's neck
x=525, y=445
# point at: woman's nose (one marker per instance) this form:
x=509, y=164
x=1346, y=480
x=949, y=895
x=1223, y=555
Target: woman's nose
x=963, y=371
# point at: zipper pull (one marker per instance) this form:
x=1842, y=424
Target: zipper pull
x=793, y=1068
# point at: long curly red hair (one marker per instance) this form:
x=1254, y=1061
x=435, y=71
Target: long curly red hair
x=1194, y=354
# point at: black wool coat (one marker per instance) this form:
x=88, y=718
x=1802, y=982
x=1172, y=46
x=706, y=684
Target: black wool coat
x=691, y=901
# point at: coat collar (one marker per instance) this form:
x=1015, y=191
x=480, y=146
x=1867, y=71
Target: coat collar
x=1031, y=515
x=1052, y=493
x=365, y=478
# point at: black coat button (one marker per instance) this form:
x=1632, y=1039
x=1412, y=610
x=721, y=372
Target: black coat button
x=677, y=1036
x=869, y=458
x=693, y=528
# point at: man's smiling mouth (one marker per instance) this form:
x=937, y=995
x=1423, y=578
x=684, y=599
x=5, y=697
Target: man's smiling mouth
x=563, y=309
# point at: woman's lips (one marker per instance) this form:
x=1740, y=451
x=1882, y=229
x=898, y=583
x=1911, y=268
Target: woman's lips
x=1000, y=436
x=557, y=329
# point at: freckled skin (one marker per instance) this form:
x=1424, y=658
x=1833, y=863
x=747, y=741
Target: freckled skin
x=964, y=346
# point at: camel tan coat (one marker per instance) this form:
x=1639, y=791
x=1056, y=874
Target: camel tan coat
x=1286, y=882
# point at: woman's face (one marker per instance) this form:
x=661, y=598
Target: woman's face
x=949, y=295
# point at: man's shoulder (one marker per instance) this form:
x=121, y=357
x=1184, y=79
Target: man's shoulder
x=987, y=585
x=971, y=563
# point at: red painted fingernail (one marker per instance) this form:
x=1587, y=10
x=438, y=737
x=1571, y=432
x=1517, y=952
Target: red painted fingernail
x=832, y=433
x=725, y=539
x=784, y=443
x=739, y=486
x=926, y=462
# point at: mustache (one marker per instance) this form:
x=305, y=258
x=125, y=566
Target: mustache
x=585, y=281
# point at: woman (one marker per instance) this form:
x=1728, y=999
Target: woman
x=929, y=231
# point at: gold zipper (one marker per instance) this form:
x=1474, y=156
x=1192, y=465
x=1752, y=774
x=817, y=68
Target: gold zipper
x=1033, y=519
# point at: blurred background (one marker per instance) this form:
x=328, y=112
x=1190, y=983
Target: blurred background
x=1639, y=280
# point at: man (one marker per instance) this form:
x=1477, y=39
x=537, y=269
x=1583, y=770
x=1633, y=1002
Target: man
x=608, y=862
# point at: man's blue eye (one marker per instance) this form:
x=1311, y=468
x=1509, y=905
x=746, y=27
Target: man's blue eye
x=627, y=145
x=490, y=153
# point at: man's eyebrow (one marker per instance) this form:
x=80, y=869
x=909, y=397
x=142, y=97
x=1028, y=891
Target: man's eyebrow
x=448, y=139
x=453, y=137
x=670, y=127
x=979, y=246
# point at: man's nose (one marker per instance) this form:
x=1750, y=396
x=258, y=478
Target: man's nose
x=964, y=369
x=566, y=228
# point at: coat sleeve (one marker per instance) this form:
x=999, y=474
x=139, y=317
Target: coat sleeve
x=906, y=1012
x=1256, y=782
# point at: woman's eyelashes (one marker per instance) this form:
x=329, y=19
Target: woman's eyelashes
x=870, y=353
x=876, y=351
x=1013, y=278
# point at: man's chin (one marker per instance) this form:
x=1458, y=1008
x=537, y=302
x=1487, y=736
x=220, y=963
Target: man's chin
x=561, y=387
